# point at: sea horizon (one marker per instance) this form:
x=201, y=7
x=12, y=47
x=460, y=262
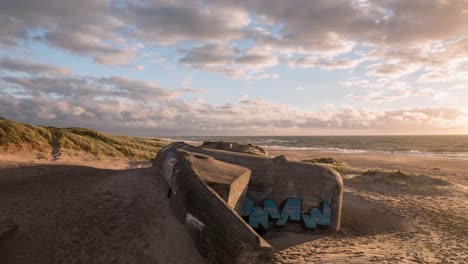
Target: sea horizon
x=436, y=146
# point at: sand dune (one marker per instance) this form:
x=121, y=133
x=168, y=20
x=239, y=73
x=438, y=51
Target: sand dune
x=77, y=214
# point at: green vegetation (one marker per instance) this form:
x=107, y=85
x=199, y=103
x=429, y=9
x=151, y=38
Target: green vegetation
x=378, y=175
x=388, y=176
x=397, y=177
x=75, y=140
x=335, y=164
x=253, y=151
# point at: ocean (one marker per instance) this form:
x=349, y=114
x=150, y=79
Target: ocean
x=442, y=146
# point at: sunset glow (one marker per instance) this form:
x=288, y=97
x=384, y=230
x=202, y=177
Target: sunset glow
x=254, y=67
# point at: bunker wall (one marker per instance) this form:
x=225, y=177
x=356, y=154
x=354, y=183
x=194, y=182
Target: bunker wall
x=278, y=179
x=219, y=233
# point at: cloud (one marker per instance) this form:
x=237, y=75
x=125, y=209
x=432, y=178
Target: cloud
x=81, y=43
x=384, y=22
x=354, y=81
x=169, y=22
x=439, y=61
x=379, y=96
x=86, y=27
x=229, y=61
x=32, y=68
x=386, y=41
x=390, y=70
x=459, y=73
x=257, y=58
x=374, y=83
x=210, y=55
x=324, y=63
x=119, y=104
x=82, y=90
x=328, y=43
x=314, y=31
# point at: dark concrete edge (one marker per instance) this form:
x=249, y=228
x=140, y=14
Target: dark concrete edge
x=261, y=244
x=261, y=241
x=333, y=173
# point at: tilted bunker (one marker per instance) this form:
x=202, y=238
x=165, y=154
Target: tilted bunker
x=225, y=197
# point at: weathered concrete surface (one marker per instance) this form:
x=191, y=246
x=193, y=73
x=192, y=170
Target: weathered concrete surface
x=279, y=179
x=7, y=230
x=219, y=233
x=228, y=180
x=236, y=147
x=206, y=188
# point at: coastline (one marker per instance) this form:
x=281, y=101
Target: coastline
x=413, y=153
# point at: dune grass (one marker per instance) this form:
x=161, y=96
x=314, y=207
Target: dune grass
x=339, y=166
x=391, y=177
x=74, y=140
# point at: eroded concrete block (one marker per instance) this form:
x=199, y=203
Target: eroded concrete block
x=223, y=195
x=279, y=179
x=218, y=231
x=228, y=180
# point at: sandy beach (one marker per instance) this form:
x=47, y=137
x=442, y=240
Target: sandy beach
x=78, y=209
x=59, y=212
x=421, y=219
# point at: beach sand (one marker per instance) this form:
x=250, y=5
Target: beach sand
x=67, y=213
x=421, y=219
x=83, y=210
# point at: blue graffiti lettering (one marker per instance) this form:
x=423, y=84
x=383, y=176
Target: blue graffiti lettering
x=291, y=211
x=317, y=217
x=259, y=217
x=271, y=208
x=248, y=207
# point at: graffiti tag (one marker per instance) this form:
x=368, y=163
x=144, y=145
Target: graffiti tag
x=260, y=217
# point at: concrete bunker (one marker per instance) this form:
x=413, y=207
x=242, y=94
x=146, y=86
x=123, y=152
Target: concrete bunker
x=226, y=199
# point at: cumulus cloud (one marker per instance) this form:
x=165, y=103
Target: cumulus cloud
x=315, y=31
x=208, y=55
x=87, y=89
x=86, y=27
x=30, y=67
x=122, y=104
x=81, y=43
x=396, y=22
x=231, y=62
x=243, y=39
x=169, y=22
x=442, y=60
x=390, y=70
x=257, y=58
x=459, y=73
x=394, y=94
x=325, y=63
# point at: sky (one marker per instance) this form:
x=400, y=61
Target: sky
x=242, y=67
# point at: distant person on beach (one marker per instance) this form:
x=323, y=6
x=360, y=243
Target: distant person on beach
x=391, y=151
